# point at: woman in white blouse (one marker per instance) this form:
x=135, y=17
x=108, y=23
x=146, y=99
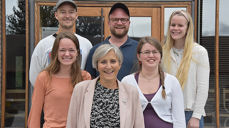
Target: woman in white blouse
x=189, y=62
x=160, y=93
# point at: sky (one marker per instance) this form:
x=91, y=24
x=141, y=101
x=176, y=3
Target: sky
x=9, y=9
x=209, y=17
x=9, y=6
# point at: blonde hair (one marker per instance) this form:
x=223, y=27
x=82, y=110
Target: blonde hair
x=157, y=45
x=182, y=72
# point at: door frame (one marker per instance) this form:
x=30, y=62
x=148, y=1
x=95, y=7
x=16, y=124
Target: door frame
x=3, y=86
x=106, y=7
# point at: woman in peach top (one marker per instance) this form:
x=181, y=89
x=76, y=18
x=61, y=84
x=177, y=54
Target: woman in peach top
x=53, y=87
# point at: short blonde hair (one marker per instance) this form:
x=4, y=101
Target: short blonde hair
x=102, y=50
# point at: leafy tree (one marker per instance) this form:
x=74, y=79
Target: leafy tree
x=47, y=16
x=89, y=25
x=17, y=19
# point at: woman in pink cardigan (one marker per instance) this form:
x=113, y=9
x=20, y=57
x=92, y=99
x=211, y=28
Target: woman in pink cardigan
x=53, y=87
x=104, y=101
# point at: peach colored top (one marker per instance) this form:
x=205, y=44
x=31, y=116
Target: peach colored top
x=54, y=98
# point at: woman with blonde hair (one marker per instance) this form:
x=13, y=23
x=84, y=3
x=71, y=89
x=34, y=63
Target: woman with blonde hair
x=160, y=93
x=53, y=87
x=189, y=62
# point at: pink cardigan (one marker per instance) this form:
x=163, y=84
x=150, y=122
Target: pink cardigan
x=79, y=113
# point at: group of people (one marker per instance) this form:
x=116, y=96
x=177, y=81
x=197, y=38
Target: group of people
x=77, y=85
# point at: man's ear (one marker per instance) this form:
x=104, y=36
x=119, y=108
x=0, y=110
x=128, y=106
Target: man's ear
x=56, y=15
x=77, y=15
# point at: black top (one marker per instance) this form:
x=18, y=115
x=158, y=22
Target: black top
x=105, y=111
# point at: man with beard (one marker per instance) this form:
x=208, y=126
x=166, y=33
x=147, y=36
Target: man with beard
x=66, y=14
x=119, y=22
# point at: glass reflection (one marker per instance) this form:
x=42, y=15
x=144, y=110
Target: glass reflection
x=48, y=22
x=207, y=39
x=223, y=19
x=208, y=18
x=223, y=62
x=15, y=69
x=47, y=17
x=90, y=28
x=139, y=27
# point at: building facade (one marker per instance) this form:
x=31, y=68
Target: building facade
x=25, y=22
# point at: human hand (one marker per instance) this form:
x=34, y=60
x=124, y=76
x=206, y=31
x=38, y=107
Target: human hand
x=193, y=123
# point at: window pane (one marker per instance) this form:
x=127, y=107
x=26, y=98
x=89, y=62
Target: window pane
x=209, y=43
x=224, y=62
x=208, y=18
x=207, y=39
x=139, y=27
x=90, y=28
x=48, y=22
x=224, y=18
x=15, y=64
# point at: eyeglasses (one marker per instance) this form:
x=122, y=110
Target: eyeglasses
x=71, y=51
x=123, y=20
x=147, y=52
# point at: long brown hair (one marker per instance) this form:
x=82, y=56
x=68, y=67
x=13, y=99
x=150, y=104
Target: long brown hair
x=54, y=66
x=157, y=45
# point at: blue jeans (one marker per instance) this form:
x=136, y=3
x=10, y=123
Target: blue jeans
x=188, y=115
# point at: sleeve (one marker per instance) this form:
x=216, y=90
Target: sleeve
x=177, y=105
x=74, y=107
x=35, y=66
x=128, y=80
x=37, y=103
x=139, y=119
x=86, y=75
x=202, y=76
x=85, y=46
x=124, y=80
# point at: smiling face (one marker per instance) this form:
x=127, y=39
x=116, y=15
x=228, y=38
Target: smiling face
x=108, y=66
x=178, y=27
x=119, y=23
x=149, y=56
x=67, y=52
x=66, y=15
